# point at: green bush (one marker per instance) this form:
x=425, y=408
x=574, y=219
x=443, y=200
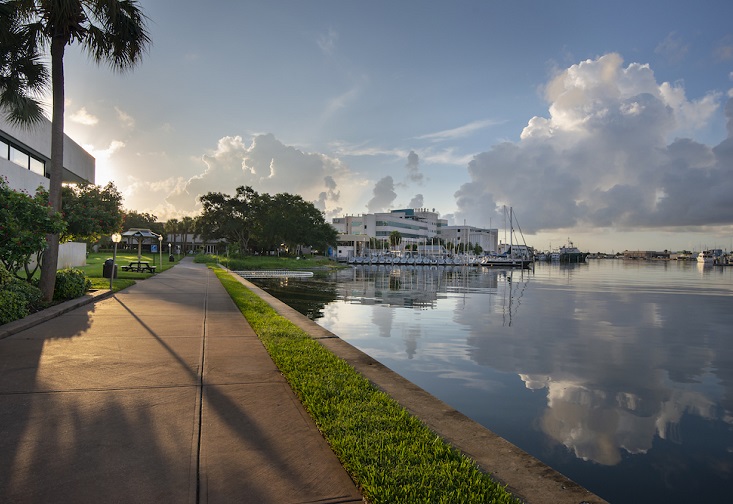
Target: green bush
x=12, y=306
x=5, y=276
x=30, y=293
x=70, y=284
x=17, y=297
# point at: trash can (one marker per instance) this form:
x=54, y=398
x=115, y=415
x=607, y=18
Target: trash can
x=107, y=269
x=171, y=258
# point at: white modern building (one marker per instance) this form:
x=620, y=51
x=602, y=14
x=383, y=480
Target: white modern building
x=465, y=236
x=418, y=226
x=25, y=161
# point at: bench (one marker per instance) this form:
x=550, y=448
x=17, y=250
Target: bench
x=139, y=267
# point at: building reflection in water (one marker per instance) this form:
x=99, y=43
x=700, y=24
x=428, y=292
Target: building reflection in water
x=621, y=361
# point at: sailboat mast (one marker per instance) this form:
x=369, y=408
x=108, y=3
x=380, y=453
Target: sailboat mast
x=511, y=231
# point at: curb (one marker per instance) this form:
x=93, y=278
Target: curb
x=54, y=311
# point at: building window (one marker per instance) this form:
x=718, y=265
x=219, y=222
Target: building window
x=3, y=149
x=19, y=157
x=38, y=166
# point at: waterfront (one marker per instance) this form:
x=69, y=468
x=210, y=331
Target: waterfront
x=618, y=374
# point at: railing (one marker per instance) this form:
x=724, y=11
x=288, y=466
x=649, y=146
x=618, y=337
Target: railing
x=274, y=274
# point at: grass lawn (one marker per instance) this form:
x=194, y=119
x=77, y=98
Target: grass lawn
x=95, y=263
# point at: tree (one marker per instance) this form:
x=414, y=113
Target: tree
x=111, y=31
x=185, y=227
x=395, y=238
x=231, y=218
x=90, y=212
x=266, y=222
x=24, y=223
x=142, y=220
x=171, y=229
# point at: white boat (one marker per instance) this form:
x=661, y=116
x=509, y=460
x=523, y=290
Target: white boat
x=706, y=257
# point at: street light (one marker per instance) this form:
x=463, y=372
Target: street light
x=116, y=238
x=160, y=249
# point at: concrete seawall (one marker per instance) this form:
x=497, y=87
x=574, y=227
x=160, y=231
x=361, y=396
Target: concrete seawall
x=524, y=475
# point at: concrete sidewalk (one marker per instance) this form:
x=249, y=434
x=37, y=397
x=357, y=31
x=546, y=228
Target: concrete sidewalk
x=160, y=393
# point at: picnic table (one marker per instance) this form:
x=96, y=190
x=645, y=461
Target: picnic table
x=139, y=266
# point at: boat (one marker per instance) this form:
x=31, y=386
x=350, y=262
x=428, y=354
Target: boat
x=506, y=260
x=510, y=258
x=706, y=257
x=571, y=254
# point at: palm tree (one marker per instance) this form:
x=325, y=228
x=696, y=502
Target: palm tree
x=111, y=31
x=395, y=238
x=187, y=226
x=171, y=229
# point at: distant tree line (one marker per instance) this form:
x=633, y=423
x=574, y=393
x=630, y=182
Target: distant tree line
x=250, y=222
x=259, y=223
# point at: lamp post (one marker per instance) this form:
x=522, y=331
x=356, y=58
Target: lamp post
x=116, y=238
x=160, y=250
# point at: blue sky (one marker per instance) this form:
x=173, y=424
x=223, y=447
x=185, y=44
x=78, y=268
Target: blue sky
x=599, y=122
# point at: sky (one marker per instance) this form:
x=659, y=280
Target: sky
x=608, y=124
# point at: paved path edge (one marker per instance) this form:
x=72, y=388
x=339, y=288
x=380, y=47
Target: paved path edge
x=52, y=312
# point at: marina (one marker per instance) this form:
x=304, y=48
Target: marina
x=617, y=373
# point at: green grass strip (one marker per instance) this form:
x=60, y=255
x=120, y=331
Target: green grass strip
x=390, y=454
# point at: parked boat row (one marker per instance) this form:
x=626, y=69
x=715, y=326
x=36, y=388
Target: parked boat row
x=409, y=258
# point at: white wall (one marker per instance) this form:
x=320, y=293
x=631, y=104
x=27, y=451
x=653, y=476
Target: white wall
x=21, y=179
x=78, y=163
x=72, y=254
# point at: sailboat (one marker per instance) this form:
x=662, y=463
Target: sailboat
x=510, y=258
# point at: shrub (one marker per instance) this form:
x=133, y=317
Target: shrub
x=70, y=284
x=30, y=293
x=5, y=276
x=12, y=306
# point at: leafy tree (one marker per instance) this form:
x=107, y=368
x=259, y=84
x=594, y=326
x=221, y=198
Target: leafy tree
x=91, y=211
x=111, y=31
x=231, y=218
x=24, y=223
x=144, y=220
x=262, y=221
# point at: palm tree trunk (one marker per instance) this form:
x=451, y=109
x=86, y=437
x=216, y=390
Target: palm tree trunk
x=51, y=255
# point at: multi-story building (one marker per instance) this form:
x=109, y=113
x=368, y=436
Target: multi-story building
x=418, y=226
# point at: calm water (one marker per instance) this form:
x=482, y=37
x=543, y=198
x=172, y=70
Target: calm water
x=618, y=374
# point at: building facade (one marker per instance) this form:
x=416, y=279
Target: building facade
x=416, y=226
x=25, y=161
x=469, y=236
x=25, y=157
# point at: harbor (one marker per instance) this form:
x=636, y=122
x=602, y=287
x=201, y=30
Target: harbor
x=612, y=370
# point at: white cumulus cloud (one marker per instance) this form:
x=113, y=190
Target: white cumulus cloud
x=81, y=116
x=608, y=154
x=268, y=166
